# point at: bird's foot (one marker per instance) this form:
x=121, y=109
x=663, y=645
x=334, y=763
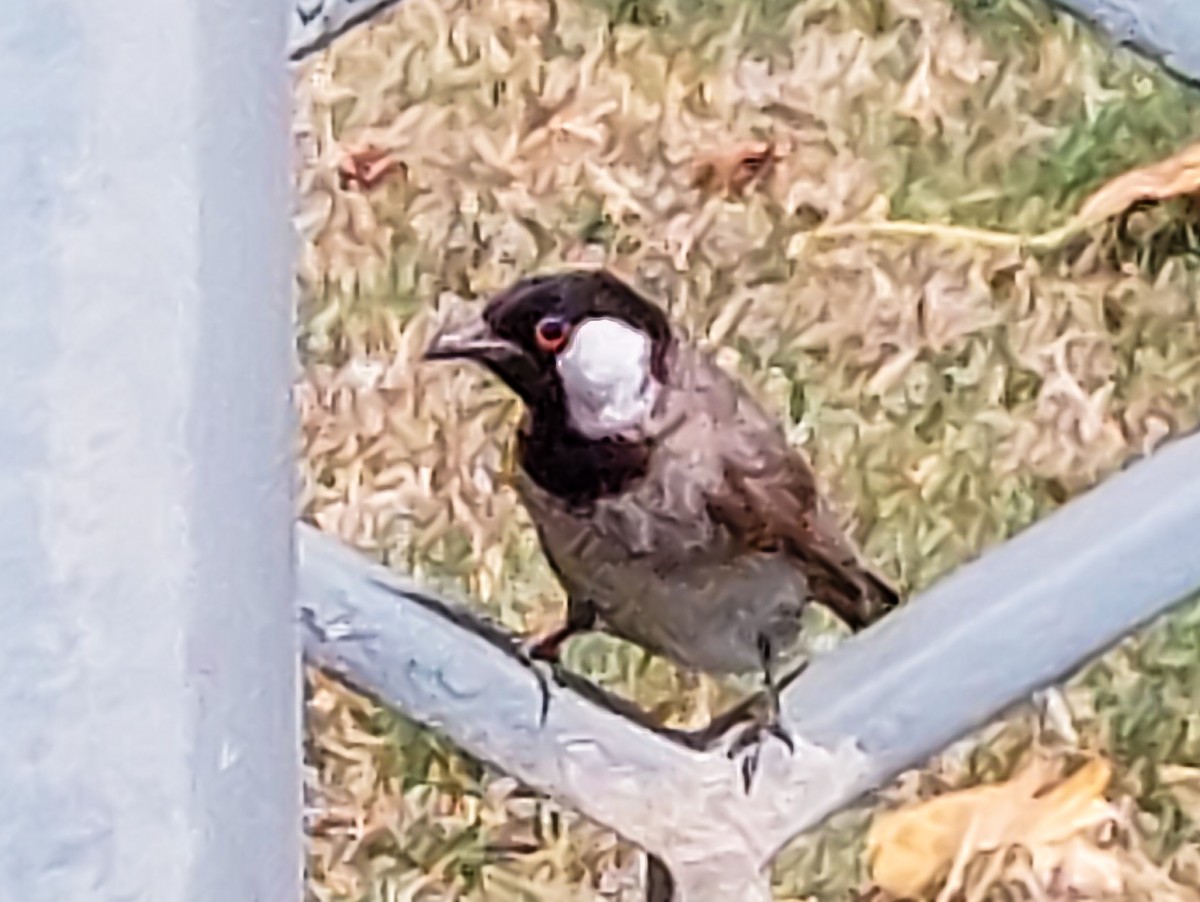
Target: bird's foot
x=545, y=647
x=748, y=744
x=750, y=724
x=535, y=653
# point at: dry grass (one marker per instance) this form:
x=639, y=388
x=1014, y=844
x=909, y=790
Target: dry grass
x=949, y=391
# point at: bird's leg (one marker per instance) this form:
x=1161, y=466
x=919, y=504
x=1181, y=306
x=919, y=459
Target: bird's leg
x=749, y=710
x=581, y=617
x=548, y=645
x=749, y=741
x=707, y=736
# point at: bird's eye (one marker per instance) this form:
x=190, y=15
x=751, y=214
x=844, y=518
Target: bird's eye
x=552, y=333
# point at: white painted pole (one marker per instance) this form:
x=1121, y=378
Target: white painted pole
x=1168, y=30
x=314, y=23
x=986, y=637
x=1021, y=617
x=148, y=664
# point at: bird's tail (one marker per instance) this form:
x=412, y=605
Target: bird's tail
x=881, y=597
x=856, y=594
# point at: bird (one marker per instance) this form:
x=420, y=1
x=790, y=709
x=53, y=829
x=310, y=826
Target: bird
x=669, y=505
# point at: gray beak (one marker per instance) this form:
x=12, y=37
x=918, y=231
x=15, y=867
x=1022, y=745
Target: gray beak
x=469, y=339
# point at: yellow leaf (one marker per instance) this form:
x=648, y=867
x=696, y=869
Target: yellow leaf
x=732, y=171
x=1175, y=176
x=911, y=847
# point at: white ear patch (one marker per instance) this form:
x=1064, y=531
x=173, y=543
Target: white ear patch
x=605, y=373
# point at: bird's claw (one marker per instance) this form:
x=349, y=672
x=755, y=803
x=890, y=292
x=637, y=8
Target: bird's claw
x=749, y=743
x=528, y=653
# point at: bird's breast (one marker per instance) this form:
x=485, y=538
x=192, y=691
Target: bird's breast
x=669, y=579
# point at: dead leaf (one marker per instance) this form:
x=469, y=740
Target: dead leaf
x=1176, y=176
x=1184, y=783
x=733, y=171
x=910, y=848
x=1078, y=867
x=367, y=166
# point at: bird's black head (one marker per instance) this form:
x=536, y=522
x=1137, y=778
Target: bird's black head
x=587, y=355
x=526, y=328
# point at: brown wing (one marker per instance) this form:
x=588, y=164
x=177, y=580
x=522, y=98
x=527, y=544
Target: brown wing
x=768, y=499
x=776, y=508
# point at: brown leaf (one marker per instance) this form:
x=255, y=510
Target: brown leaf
x=733, y=171
x=367, y=166
x=910, y=848
x=1176, y=176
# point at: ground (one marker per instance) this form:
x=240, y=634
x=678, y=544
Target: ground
x=950, y=386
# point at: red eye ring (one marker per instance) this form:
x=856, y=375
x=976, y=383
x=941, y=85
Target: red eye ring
x=551, y=334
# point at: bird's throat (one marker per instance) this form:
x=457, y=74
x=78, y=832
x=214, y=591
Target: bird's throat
x=576, y=469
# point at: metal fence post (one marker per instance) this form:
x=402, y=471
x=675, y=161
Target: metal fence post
x=149, y=679
x=1164, y=29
